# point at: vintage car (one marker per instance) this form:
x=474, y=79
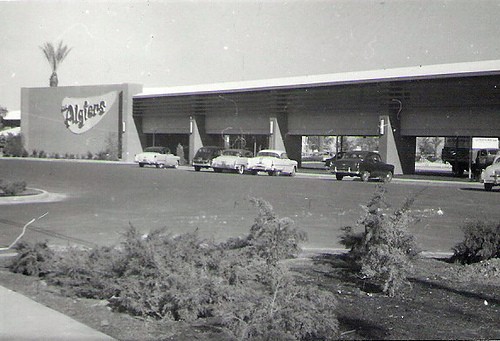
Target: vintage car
x=490, y=176
x=273, y=162
x=204, y=156
x=363, y=164
x=328, y=161
x=235, y=160
x=157, y=156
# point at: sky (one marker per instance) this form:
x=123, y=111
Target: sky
x=172, y=43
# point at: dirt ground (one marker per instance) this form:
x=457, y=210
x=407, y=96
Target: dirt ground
x=445, y=301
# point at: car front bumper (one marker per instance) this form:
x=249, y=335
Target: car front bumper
x=202, y=164
x=147, y=161
x=230, y=166
x=261, y=168
x=492, y=180
x=345, y=171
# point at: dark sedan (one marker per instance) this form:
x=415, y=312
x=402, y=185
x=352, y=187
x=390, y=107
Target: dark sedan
x=363, y=164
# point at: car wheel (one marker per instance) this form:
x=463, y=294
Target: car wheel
x=271, y=173
x=488, y=187
x=387, y=177
x=292, y=173
x=365, y=176
x=457, y=170
x=254, y=172
x=339, y=177
x=176, y=165
x=241, y=169
x=161, y=165
x=197, y=169
x=141, y=165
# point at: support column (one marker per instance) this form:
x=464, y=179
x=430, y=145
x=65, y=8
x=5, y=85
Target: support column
x=196, y=134
x=275, y=137
x=396, y=149
x=387, y=144
x=294, y=148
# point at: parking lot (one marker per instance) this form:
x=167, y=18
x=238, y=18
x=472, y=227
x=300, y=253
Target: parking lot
x=103, y=199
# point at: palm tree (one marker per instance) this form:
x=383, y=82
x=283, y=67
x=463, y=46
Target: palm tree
x=55, y=57
x=3, y=112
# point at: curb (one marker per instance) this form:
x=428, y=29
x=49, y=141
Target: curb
x=42, y=196
x=309, y=252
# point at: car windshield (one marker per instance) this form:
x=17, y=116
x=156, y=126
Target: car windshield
x=161, y=150
x=206, y=152
x=271, y=154
x=354, y=155
x=232, y=153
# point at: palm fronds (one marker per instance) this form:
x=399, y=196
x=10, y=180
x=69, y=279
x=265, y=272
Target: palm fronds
x=55, y=57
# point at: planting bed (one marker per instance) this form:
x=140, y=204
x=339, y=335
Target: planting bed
x=445, y=301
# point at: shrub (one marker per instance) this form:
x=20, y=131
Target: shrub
x=183, y=277
x=110, y=151
x=481, y=242
x=32, y=260
x=14, y=146
x=12, y=188
x=273, y=238
x=383, y=250
x=102, y=155
x=275, y=305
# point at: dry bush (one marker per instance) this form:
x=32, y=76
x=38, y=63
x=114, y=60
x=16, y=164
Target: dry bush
x=240, y=287
x=481, y=242
x=12, y=188
x=384, y=248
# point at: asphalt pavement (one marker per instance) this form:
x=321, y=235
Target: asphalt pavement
x=21, y=318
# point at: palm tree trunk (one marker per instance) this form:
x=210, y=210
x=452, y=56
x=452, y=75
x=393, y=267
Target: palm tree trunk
x=53, y=79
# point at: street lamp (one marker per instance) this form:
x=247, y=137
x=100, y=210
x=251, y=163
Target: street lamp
x=232, y=101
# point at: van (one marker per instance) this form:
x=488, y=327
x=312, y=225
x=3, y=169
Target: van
x=204, y=156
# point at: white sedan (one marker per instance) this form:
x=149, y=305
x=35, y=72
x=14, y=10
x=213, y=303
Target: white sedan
x=490, y=176
x=273, y=162
x=157, y=156
x=235, y=160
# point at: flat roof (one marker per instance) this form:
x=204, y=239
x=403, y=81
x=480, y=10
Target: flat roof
x=13, y=115
x=479, y=68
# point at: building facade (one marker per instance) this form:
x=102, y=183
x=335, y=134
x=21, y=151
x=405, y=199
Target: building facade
x=396, y=105
x=80, y=121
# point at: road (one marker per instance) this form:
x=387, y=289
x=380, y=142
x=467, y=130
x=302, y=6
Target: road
x=103, y=199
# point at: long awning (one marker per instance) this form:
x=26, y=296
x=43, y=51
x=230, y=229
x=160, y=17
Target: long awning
x=479, y=68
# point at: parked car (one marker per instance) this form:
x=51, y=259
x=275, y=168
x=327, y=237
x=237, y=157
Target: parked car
x=334, y=157
x=490, y=176
x=204, y=156
x=364, y=164
x=157, y=156
x=235, y=160
x=273, y=162
x=485, y=157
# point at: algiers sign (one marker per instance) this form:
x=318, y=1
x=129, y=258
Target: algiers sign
x=81, y=114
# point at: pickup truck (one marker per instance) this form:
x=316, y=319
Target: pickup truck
x=458, y=153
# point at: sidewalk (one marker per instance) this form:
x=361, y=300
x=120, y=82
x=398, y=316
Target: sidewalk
x=24, y=319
